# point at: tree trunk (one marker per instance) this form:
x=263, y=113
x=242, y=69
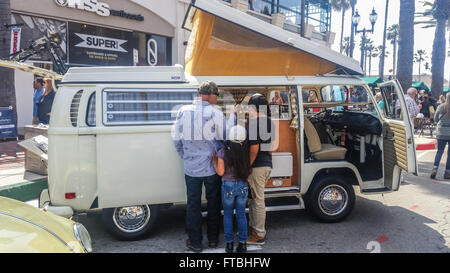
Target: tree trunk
x=352, y=29
x=342, y=29
x=370, y=62
x=381, y=67
x=419, y=67
x=7, y=91
x=438, y=59
x=406, y=44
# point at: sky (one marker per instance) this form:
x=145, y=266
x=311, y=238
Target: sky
x=423, y=38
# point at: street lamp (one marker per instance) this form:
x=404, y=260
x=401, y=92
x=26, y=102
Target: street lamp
x=355, y=20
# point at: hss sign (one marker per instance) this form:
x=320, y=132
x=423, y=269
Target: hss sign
x=100, y=8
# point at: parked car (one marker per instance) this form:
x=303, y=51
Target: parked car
x=24, y=228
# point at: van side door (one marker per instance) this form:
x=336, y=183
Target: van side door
x=398, y=134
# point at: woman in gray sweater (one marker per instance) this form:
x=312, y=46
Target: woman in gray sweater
x=442, y=118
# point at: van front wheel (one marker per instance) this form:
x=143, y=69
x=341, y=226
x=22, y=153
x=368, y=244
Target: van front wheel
x=130, y=223
x=330, y=199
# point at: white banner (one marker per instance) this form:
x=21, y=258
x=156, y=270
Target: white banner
x=98, y=42
x=15, y=39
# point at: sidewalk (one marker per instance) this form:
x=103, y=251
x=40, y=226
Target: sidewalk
x=15, y=182
x=425, y=142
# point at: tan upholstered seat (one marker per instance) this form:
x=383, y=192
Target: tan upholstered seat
x=321, y=151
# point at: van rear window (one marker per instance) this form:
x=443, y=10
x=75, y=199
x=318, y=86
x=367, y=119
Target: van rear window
x=140, y=107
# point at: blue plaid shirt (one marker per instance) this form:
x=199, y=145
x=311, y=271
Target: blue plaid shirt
x=198, y=131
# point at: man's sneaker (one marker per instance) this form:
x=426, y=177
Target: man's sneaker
x=433, y=173
x=447, y=175
x=193, y=248
x=254, y=239
x=212, y=244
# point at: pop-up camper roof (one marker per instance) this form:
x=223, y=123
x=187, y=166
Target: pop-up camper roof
x=227, y=42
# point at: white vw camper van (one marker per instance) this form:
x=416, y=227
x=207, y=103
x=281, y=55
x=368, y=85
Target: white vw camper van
x=110, y=144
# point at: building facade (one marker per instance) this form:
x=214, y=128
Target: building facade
x=131, y=32
x=95, y=33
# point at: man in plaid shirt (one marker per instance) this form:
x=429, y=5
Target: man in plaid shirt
x=413, y=108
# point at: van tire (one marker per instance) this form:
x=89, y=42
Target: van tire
x=122, y=230
x=325, y=210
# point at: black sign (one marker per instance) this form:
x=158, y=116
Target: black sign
x=92, y=45
x=8, y=127
x=36, y=30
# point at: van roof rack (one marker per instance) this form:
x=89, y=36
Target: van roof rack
x=125, y=74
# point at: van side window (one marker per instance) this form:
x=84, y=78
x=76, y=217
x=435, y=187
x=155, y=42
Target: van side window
x=146, y=106
x=91, y=116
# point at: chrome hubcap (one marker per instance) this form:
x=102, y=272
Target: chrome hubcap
x=131, y=219
x=333, y=200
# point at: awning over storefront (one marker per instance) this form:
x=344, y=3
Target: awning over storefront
x=420, y=86
x=446, y=89
x=227, y=42
x=372, y=81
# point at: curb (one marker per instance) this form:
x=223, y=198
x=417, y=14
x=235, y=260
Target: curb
x=25, y=191
x=427, y=146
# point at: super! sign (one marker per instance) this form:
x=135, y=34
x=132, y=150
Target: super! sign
x=98, y=42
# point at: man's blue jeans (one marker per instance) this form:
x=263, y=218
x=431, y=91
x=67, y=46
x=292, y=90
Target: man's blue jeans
x=194, y=208
x=234, y=196
x=441, y=147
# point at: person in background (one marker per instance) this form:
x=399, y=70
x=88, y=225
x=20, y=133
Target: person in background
x=379, y=99
x=277, y=99
x=425, y=108
x=411, y=103
x=45, y=102
x=198, y=131
x=38, y=85
x=313, y=99
x=442, y=118
x=233, y=164
x=261, y=135
x=441, y=100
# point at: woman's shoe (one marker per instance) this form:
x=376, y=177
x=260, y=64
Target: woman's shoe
x=229, y=247
x=242, y=248
x=433, y=173
x=447, y=175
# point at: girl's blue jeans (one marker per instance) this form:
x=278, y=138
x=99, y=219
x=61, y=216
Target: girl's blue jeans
x=234, y=196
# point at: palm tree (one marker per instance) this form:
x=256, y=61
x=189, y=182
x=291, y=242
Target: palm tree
x=405, y=43
x=383, y=47
x=379, y=52
x=392, y=35
x=7, y=91
x=437, y=15
x=346, y=45
x=419, y=57
x=343, y=6
x=352, y=32
x=368, y=49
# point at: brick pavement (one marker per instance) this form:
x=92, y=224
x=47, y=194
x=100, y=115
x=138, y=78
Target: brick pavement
x=12, y=156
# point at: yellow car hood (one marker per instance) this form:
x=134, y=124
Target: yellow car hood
x=24, y=228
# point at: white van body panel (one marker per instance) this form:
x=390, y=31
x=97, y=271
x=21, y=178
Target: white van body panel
x=123, y=165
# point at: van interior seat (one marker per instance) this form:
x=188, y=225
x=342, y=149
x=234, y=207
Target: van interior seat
x=321, y=151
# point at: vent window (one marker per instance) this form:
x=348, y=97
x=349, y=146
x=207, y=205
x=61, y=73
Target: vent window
x=74, y=106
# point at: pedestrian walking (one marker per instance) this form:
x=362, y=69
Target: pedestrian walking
x=442, y=118
x=197, y=133
x=233, y=164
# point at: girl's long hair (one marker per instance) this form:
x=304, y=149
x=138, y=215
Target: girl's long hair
x=237, y=158
x=447, y=105
x=49, y=86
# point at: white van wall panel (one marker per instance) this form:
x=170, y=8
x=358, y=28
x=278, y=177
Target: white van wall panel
x=136, y=169
x=24, y=98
